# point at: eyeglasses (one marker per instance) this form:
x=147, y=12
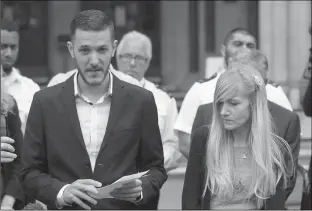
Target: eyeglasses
x=129, y=57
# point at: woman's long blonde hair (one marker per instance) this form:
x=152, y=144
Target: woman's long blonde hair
x=269, y=166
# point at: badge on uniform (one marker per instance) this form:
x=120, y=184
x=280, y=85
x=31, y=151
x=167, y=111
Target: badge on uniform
x=164, y=89
x=273, y=83
x=207, y=79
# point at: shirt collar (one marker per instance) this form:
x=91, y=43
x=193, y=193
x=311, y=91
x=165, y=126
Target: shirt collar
x=110, y=88
x=14, y=76
x=142, y=82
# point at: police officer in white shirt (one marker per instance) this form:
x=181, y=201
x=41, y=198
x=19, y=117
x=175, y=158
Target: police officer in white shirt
x=202, y=92
x=19, y=86
x=134, y=54
x=61, y=77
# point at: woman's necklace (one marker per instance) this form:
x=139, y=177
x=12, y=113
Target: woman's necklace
x=242, y=151
x=242, y=156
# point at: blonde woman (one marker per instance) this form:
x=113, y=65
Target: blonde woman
x=238, y=162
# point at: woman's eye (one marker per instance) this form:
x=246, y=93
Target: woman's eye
x=234, y=103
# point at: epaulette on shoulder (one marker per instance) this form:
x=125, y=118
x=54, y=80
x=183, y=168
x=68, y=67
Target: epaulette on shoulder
x=273, y=83
x=207, y=79
x=169, y=94
x=164, y=89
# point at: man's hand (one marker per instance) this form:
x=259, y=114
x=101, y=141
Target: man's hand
x=128, y=192
x=6, y=208
x=7, y=150
x=79, y=190
x=7, y=202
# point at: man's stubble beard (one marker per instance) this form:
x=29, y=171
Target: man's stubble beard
x=85, y=80
x=7, y=70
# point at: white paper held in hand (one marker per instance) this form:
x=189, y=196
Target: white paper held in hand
x=104, y=192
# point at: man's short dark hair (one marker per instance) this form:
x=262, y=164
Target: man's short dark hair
x=92, y=20
x=9, y=25
x=231, y=33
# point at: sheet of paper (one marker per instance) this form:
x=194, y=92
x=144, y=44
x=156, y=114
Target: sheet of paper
x=104, y=192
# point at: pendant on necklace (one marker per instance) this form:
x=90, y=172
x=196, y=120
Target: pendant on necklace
x=244, y=156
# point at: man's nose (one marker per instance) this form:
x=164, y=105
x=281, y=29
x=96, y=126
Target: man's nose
x=8, y=52
x=246, y=48
x=94, y=60
x=132, y=61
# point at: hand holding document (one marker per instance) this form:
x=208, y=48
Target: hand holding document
x=104, y=192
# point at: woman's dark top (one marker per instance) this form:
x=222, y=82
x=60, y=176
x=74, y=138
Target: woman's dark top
x=195, y=178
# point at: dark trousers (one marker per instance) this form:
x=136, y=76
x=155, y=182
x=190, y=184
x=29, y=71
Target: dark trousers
x=306, y=195
x=151, y=205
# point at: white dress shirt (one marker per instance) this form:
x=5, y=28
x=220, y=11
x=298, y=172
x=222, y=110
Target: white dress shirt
x=23, y=90
x=93, y=118
x=198, y=94
x=167, y=114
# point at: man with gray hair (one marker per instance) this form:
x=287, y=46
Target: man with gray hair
x=134, y=54
x=258, y=59
x=254, y=58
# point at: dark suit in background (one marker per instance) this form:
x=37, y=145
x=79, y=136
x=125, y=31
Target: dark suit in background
x=306, y=101
x=305, y=86
x=306, y=104
x=288, y=128
x=55, y=152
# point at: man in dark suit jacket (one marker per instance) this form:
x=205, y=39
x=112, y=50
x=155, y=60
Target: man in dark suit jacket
x=306, y=105
x=287, y=125
x=92, y=129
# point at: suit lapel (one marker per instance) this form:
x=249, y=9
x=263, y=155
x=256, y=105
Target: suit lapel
x=119, y=97
x=270, y=107
x=277, y=127
x=68, y=98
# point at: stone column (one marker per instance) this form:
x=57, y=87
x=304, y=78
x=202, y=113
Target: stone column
x=60, y=15
x=202, y=38
x=174, y=41
x=299, y=42
x=284, y=39
x=273, y=37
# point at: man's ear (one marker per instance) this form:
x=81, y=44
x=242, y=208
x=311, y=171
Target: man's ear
x=115, y=44
x=70, y=48
x=222, y=50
